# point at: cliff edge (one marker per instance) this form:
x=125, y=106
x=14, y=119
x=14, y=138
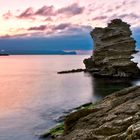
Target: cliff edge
x=113, y=50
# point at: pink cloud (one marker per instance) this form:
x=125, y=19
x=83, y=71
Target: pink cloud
x=99, y=18
x=52, y=28
x=7, y=15
x=71, y=17
x=14, y=36
x=41, y=28
x=27, y=13
x=55, y=30
x=45, y=11
x=48, y=19
x=62, y=26
x=131, y=15
x=72, y=10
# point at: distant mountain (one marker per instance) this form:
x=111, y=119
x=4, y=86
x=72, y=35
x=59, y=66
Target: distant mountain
x=40, y=52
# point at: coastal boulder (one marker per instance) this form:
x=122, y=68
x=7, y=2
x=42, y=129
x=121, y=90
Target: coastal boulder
x=113, y=50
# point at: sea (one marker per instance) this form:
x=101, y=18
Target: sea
x=33, y=96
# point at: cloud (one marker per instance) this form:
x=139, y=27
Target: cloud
x=30, y=13
x=14, y=36
x=61, y=20
x=132, y=18
x=62, y=29
x=62, y=26
x=45, y=11
x=5, y=36
x=78, y=29
x=41, y=28
x=48, y=19
x=27, y=13
x=71, y=10
x=99, y=18
x=70, y=29
x=7, y=15
x=131, y=15
x=50, y=28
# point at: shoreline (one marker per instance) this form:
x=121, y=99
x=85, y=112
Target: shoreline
x=58, y=129
x=108, y=103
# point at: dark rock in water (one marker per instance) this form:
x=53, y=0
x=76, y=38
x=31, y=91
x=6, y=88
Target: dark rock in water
x=71, y=71
x=113, y=49
x=116, y=117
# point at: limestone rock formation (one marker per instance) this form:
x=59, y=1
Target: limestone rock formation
x=116, y=117
x=113, y=49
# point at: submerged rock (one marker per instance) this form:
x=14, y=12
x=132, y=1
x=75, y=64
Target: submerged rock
x=72, y=71
x=113, y=49
x=116, y=117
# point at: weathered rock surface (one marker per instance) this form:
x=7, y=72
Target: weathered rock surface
x=113, y=49
x=116, y=117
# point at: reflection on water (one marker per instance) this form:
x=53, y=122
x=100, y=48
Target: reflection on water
x=103, y=86
x=33, y=95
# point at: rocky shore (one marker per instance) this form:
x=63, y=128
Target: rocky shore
x=116, y=117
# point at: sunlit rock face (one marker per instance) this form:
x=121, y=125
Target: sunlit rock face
x=113, y=49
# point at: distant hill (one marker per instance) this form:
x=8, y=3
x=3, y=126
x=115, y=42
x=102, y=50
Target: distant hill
x=40, y=52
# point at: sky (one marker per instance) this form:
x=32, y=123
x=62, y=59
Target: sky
x=61, y=24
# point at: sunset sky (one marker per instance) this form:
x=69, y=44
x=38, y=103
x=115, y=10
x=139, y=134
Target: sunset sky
x=61, y=24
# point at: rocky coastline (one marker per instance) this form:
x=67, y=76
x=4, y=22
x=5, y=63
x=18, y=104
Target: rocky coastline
x=117, y=116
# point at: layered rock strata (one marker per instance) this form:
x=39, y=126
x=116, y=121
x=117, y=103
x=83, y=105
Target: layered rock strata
x=113, y=50
x=116, y=117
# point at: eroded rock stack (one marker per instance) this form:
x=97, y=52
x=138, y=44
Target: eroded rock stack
x=113, y=49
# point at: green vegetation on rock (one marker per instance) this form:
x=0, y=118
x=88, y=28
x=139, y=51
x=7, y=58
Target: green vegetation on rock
x=85, y=106
x=58, y=130
x=54, y=132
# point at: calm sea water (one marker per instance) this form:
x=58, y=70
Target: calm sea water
x=33, y=95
